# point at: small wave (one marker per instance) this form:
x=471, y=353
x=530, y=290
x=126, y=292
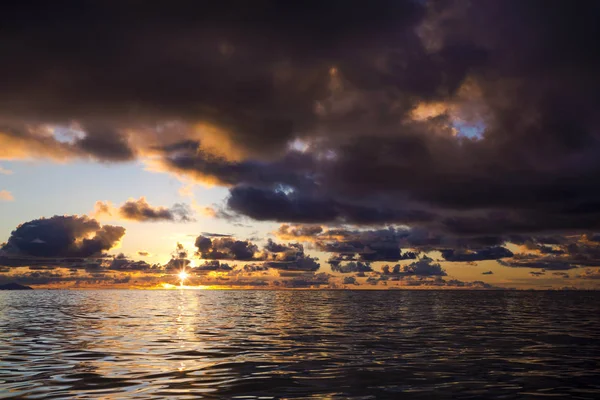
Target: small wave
x=293, y=345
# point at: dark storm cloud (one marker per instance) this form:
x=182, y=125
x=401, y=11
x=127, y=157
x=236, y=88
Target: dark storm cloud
x=63, y=277
x=337, y=259
x=226, y=248
x=59, y=237
x=491, y=253
x=212, y=265
x=527, y=261
x=254, y=71
x=298, y=232
x=522, y=167
x=281, y=205
x=423, y=267
x=104, y=143
x=250, y=268
x=188, y=158
x=350, y=280
x=475, y=119
x=289, y=256
x=556, y=253
x=35, y=278
x=386, y=254
x=283, y=257
x=300, y=263
x=386, y=244
x=122, y=263
x=369, y=245
x=351, y=267
x=274, y=247
x=141, y=211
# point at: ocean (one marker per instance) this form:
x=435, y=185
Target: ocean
x=119, y=344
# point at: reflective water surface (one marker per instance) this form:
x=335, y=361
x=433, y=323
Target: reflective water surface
x=303, y=344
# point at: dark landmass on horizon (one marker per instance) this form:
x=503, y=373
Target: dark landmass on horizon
x=14, y=286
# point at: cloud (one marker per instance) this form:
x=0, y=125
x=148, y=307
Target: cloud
x=80, y=278
x=226, y=248
x=301, y=263
x=139, y=210
x=5, y=195
x=176, y=264
x=557, y=252
x=279, y=205
x=212, y=265
x=439, y=282
x=491, y=253
x=283, y=252
x=468, y=127
x=372, y=245
x=198, y=85
x=287, y=257
x=290, y=257
x=215, y=235
x=122, y=263
x=4, y=171
x=179, y=259
x=367, y=245
x=104, y=142
x=372, y=280
x=298, y=232
x=350, y=280
x=251, y=268
x=274, y=247
x=590, y=274
x=423, y=267
x=533, y=262
x=351, y=267
x=61, y=237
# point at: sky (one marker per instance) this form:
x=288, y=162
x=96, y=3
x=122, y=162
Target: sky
x=327, y=145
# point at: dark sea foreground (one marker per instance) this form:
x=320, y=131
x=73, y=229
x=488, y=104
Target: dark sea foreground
x=306, y=344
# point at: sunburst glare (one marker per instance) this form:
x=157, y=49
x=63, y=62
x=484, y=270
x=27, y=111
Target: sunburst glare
x=182, y=277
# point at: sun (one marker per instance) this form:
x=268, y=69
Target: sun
x=183, y=276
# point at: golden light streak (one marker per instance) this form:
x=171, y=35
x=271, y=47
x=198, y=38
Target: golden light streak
x=199, y=287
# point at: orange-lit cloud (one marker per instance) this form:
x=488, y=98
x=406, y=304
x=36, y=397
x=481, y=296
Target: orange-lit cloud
x=303, y=233
x=5, y=195
x=32, y=142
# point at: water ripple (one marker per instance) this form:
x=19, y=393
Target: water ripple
x=305, y=344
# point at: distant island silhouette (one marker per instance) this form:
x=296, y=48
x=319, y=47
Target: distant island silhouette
x=14, y=286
